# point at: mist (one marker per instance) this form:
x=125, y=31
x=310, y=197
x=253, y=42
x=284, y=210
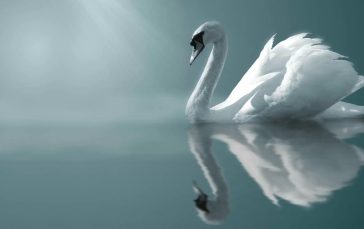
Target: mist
x=127, y=61
x=79, y=61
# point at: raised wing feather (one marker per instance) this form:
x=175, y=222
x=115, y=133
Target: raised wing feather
x=250, y=80
x=270, y=60
x=314, y=79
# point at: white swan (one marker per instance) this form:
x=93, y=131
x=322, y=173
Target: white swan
x=299, y=78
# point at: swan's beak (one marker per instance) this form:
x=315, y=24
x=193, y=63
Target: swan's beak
x=197, y=49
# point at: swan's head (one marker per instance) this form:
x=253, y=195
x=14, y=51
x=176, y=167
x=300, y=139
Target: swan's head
x=208, y=32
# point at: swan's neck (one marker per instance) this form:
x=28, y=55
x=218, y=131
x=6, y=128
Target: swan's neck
x=197, y=108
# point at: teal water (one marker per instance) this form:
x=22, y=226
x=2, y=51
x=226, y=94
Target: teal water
x=298, y=175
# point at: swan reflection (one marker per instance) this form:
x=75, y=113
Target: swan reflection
x=302, y=163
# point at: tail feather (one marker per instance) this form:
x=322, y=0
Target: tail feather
x=342, y=110
x=358, y=85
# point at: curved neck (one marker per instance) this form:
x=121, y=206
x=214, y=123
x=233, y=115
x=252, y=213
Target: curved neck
x=199, y=102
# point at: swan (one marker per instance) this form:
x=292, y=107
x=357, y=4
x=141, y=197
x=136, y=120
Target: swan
x=299, y=78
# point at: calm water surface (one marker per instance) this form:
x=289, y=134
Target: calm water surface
x=171, y=175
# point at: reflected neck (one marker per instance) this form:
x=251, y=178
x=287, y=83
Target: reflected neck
x=198, y=104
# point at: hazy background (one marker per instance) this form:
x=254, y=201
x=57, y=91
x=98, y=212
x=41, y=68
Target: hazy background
x=97, y=61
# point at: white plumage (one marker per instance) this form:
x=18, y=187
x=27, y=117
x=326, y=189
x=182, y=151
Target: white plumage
x=299, y=78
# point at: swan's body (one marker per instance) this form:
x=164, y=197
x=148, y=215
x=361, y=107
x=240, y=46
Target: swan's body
x=299, y=78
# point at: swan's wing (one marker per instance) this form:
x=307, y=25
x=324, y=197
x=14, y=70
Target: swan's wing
x=271, y=60
x=315, y=78
x=251, y=79
x=285, y=49
x=250, y=89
